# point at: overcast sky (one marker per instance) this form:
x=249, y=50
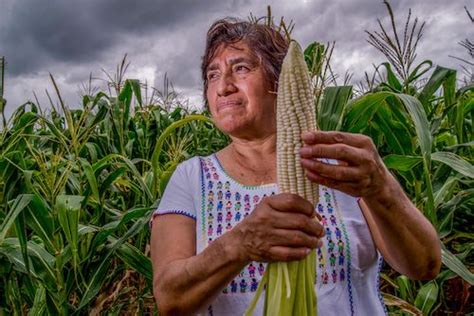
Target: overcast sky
x=71, y=39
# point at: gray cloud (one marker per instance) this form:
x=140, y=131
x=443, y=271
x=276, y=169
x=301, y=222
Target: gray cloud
x=73, y=38
x=39, y=33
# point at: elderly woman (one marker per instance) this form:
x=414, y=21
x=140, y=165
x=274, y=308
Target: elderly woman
x=221, y=218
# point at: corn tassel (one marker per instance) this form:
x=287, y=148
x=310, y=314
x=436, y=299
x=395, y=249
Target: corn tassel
x=290, y=285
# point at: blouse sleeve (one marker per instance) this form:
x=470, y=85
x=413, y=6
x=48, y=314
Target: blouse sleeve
x=177, y=198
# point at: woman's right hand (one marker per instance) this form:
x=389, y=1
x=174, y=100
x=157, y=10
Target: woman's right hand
x=282, y=227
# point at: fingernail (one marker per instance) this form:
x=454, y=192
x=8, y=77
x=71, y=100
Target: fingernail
x=307, y=251
x=307, y=135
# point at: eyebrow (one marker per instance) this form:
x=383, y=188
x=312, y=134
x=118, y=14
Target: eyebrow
x=232, y=62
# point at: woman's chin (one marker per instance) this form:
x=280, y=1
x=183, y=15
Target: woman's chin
x=232, y=127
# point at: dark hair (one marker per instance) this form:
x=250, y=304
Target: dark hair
x=268, y=44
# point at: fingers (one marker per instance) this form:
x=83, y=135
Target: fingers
x=286, y=202
x=343, y=152
x=334, y=137
x=336, y=172
x=303, y=223
x=351, y=188
x=280, y=253
x=283, y=227
x=295, y=238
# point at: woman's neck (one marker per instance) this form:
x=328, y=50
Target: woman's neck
x=254, y=150
x=251, y=161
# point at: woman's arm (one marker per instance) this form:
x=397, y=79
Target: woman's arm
x=403, y=235
x=406, y=239
x=183, y=282
x=281, y=228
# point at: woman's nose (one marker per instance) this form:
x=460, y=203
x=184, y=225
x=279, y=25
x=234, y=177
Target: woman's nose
x=226, y=85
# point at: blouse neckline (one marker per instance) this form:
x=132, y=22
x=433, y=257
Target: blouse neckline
x=250, y=187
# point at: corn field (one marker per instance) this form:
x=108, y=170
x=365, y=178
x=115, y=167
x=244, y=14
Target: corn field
x=77, y=186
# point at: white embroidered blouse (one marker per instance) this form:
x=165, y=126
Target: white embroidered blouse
x=348, y=264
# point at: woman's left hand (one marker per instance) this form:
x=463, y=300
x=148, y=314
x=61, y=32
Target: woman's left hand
x=410, y=246
x=360, y=170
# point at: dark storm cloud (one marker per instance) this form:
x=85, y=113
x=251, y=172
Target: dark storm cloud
x=38, y=33
x=73, y=38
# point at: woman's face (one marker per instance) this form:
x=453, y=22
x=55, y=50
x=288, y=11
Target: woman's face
x=238, y=93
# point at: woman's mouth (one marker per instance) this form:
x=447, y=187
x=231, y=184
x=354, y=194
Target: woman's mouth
x=229, y=104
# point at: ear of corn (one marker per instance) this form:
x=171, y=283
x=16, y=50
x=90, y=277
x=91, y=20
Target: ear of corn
x=290, y=285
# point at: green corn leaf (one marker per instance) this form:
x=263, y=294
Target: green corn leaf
x=39, y=304
x=454, y=161
x=418, y=115
x=26, y=122
x=427, y=296
x=42, y=262
x=92, y=150
x=314, y=56
x=99, y=277
x=446, y=225
x=14, y=256
x=449, y=88
x=417, y=73
x=96, y=281
x=138, y=177
x=137, y=91
x=392, y=78
x=405, y=288
x=103, y=163
x=86, y=229
x=393, y=133
x=445, y=189
x=439, y=75
x=125, y=98
x=360, y=111
x=89, y=128
x=19, y=204
x=455, y=265
x=331, y=109
x=165, y=177
x=60, y=137
x=68, y=209
x=91, y=178
x=159, y=144
x=401, y=162
x=459, y=199
x=135, y=259
x=110, y=179
x=20, y=228
x=391, y=300
x=40, y=218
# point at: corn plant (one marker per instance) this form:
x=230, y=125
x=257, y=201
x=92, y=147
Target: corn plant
x=424, y=132
x=77, y=190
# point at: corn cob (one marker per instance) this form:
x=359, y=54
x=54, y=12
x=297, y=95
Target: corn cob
x=290, y=285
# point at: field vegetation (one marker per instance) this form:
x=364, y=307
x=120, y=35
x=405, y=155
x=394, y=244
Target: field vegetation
x=78, y=185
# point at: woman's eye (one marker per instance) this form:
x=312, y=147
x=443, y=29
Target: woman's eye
x=211, y=76
x=241, y=68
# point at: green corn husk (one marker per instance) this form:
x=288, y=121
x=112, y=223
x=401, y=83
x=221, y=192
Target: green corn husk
x=289, y=288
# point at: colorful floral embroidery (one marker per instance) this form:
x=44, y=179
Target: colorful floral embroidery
x=226, y=203
x=333, y=251
x=348, y=254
